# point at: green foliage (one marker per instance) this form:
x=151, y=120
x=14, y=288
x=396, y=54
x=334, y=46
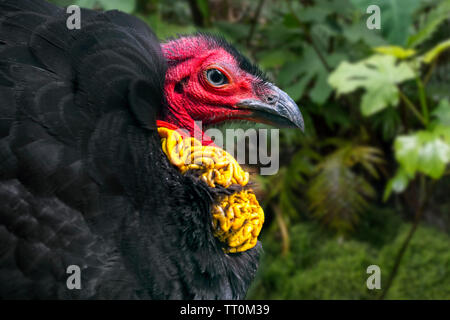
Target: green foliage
x=425, y=269
x=378, y=75
x=323, y=267
x=396, y=51
x=397, y=17
x=122, y=5
x=425, y=151
x=379, y=226
x=433, y=19
x=285, y=186
x=339, y=273
x=165, y=30
x=337, y=193
x=274, y=270
x=387, y=122
x=62, y=3
x=442, y=112
x=203, y=5
x=330, y=182
x=432, y=54
x=398, y=183
x=297, y=74
x=358, y=32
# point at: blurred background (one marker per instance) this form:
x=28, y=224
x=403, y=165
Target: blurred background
x=368, y=182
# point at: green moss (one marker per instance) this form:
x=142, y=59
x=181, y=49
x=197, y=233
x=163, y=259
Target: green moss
x=378, y=226
x=320, y=266
x=340, y=273
x=424, y=272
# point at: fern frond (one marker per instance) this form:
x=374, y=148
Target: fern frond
x=338, y=193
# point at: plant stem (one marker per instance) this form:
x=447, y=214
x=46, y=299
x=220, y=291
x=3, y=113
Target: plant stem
x=430, y=72
x=412, y=107
x=399, y=257
x=423, y=99
x=283, y=230
x=412, y=230
x=319, y=54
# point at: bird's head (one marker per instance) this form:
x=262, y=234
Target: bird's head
x=210, y=81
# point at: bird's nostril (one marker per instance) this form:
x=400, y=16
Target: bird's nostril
x=271, y=99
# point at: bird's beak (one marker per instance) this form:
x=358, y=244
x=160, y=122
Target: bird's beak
x=275, y=108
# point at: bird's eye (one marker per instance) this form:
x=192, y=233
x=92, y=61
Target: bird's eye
x=216, y=77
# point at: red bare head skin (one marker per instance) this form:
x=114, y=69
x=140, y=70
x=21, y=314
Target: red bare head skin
x=191, y=94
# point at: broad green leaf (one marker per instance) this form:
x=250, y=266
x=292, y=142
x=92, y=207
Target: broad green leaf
x=278, y=36
x=289, y=72
x=321, y=90
x=322, y=9
x=358, y=32
x=379, y=97
x=443, y=132
x=322, y=33
x=276, y=58
x=296, y=74
x=397, y=183
x=378, y=75
x=342, y=7
x=396, y=51
x=434, y=156
x=122, y=5
x=296, y=90
x=234, y=31
x=407, y=152
x=290, y=20
x=396, y=17
x=434, y=18
x=314, y=14
x=334, y=116
x=436, y=51
x=442, y=112
x=424, y=151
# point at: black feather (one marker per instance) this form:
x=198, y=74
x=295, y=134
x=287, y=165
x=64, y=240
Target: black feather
x=83, y=179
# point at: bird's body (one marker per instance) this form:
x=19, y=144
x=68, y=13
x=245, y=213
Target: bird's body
x=83, y=178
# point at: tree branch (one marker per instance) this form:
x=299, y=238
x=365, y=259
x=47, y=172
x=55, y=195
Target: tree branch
x=254, y=21
x=423, y=99
x=197, y=16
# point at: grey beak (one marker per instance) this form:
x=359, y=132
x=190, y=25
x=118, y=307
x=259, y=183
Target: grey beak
x=275, y=108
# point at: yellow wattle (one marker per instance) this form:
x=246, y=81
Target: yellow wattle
x=237, y=219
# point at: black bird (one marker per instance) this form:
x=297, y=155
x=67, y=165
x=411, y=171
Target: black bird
x=83, y=178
